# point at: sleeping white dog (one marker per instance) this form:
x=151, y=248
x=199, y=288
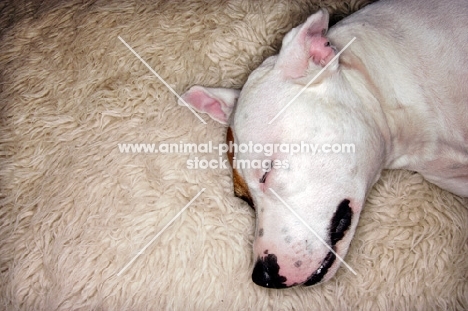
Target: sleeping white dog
x=398, y=94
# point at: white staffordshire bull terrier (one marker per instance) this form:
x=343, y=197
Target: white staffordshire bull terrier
x=399, y=93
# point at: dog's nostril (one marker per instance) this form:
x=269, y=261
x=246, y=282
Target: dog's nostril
x=266, y=273
x=340, y=221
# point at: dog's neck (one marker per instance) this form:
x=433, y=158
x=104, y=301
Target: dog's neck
x=413, y=136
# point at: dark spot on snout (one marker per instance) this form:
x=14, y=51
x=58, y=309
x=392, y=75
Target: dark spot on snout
x=260, y=232
x=297, y=264
x=340, y=222
x=266, y=273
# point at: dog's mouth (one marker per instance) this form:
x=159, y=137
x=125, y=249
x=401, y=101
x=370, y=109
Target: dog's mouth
x=318, y=275
x=266, y=272
x=340, y=224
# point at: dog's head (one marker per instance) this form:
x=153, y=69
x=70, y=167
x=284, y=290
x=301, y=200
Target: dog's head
x=292, y=168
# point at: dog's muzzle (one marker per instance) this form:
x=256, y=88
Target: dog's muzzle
x=266, y=269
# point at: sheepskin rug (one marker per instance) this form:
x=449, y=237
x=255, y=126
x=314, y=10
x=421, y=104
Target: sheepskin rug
x=75, y=210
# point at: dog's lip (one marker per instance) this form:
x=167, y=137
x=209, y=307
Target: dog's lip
x=318, y=275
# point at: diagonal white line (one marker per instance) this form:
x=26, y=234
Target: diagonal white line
x=311, y=81
x=159, y=233
x=312, y=230
x=161, y=79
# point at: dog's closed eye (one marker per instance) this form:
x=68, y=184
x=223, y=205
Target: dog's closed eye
x=267, y=170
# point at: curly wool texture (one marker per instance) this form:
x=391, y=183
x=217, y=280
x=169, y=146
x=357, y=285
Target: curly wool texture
x=75, y=210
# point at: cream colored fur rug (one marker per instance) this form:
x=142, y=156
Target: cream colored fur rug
x=74, y=210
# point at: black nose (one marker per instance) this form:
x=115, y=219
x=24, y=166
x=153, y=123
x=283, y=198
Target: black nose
x=266, y=273
x=340, y=222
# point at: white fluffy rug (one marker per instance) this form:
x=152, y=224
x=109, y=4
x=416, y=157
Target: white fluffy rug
x=75, y=210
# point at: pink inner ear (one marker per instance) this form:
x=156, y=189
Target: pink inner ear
x=320, y=50
x=305, y=43
x=204, y=103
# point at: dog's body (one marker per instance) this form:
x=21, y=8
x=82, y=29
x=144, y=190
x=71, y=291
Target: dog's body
x=399, y=93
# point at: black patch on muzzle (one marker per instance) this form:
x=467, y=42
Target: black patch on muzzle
x=318, y=275
x=266, y=272
x=340, y=222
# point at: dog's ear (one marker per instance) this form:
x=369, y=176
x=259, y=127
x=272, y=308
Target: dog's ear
x=218, y=103
x=306, y=50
